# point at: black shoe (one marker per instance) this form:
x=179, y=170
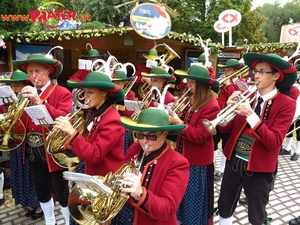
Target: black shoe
x=243, y=201
x=30, y=213
x=295, y=221
x=2, y=200
x=37, y=215
x=295, y=157
x=284, y=152
x=218, y=176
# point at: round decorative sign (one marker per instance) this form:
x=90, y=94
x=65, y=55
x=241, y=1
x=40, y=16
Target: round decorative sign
x=230, y=17
x=220, y=27
x=150, y=21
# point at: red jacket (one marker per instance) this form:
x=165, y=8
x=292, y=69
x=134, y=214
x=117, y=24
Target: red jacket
x=80, y=75
x=198, y=145
x=59, y=103
x=276, y=117
x=166, y=184
x=103, y=150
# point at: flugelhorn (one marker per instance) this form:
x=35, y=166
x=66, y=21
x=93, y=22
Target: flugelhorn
x=227, y=114
x=182, y=102
x=89, y=207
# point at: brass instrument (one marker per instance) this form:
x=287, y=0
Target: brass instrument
x=227, y=114
x=12, y=129
x=88, y=207
x=129, y=85
x=56, y=138
x=182, y=102
x=243, y=72
x=163, y=60
x=146, y=101
x=78, y=98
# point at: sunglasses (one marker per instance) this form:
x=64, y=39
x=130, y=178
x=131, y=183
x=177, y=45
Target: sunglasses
x=150, y=137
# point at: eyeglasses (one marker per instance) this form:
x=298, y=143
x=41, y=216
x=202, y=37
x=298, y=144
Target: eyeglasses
x=150, y=137
x=261, y=72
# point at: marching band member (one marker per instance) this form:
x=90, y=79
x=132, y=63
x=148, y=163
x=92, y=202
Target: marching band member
x=196, y=144
x=81, y=74
x=119, y=78
x=153, y=198
x=159, y=77
x=256, y=136
x=101, y=151
x=20, y=180
x=226, y=89
x=45, y=173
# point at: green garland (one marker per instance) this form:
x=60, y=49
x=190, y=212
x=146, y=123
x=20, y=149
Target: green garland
x=215, y=48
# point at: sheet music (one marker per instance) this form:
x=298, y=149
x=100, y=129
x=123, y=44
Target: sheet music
x=7, y=95
x=39, y=114
x=87, y=182
x=131, y=104
x=84, y=64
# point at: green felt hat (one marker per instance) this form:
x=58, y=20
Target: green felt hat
x=201, y=58
x=101, y=81
x=157, y=72
x=231, y=63
x=287, y=71
x=17, y=76
x=54, y=65
x=152, y=54
x=151, y=119
x=119, y=75
x=200, y=73
x=93, y=53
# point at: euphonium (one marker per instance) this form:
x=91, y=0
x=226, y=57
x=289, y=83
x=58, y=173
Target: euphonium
x=227, y=114
x=12, y=129
x=88, y=207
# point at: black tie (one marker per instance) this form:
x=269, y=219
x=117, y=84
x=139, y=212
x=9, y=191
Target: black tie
x=257, y=108
x=39, y=92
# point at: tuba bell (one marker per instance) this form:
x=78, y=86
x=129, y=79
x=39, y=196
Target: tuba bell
x=12, y=129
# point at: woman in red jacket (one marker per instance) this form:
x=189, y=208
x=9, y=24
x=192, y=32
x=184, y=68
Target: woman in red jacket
x=196, y=144
x=156, y=192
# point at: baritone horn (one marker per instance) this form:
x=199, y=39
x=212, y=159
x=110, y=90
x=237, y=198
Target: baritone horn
x=227, y=114
x=90, y=207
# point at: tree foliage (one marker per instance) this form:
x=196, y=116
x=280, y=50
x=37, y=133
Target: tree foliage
x=15, y=7
x=277, y=16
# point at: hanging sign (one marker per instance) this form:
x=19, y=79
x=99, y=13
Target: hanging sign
x=150, y=21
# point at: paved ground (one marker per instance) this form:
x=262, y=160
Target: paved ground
x=284, y=201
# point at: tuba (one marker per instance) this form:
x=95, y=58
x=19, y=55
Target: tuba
x=89, y=207
x=228, y=114
x=12, y=129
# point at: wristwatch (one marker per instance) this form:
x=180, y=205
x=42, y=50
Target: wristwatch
x=139, y=196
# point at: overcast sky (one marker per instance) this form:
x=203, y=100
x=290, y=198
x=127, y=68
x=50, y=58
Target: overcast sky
x=256, y=3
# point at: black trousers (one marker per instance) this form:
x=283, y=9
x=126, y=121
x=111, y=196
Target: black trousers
x=220, y=136
x=46, y=183
x=257, y=187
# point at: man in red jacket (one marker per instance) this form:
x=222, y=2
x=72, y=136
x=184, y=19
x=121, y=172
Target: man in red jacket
x=256, y=136
x=45, y=173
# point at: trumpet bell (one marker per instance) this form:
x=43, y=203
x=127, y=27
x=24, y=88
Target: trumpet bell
x=210, y=126
x=14, y=138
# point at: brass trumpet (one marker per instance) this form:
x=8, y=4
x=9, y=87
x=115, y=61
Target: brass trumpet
x=182, y=102
x=227, y=114
x=243, y=72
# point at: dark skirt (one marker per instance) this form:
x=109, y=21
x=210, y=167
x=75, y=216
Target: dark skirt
x=21, y=185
